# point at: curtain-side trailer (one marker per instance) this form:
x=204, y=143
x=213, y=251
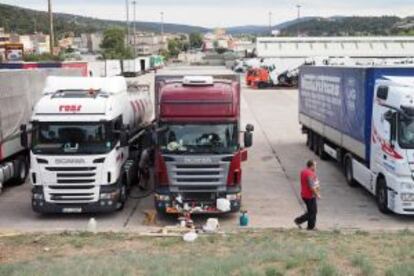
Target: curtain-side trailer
x=363, y=117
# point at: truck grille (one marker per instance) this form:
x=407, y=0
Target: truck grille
x=197, y=178
x=73, y=185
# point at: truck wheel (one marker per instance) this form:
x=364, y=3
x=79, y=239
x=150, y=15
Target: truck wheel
x=382, y=196
x=294, y=82
x=308, y=139
x=316, y=140
x=349, y=174
x=261, y=85
x=21, y=171
x=122, y=198
x=321, y=152
x=311, y=139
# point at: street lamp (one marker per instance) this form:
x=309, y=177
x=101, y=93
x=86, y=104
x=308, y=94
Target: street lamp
x=127, y=20
x=51, y=32
x=162, y=25
x=270, y=23
x=135, y=28
x=298, y=19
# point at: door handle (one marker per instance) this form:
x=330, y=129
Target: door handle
x=385, y=157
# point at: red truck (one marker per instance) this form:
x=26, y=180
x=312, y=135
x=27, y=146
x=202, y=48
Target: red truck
x=198, y=156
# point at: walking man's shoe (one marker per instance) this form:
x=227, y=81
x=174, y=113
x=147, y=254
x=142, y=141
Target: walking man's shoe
x=298, y=224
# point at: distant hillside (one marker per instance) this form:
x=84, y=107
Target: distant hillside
x=22, y=21
x=264, y=30
x=351, y=26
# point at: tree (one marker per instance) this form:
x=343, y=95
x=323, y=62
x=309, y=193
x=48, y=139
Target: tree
x=177, y=45
x=113, y=45
x=196, y=40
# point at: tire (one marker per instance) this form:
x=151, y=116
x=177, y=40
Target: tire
x=294, y=82
x=311, y=140
x=22, y=171
x=321, y=152
x=261, y=85
x=122, y=198
x=316, y=140
x=382, y=196
x=308, y=139
x=349, y=174
x=282, y=80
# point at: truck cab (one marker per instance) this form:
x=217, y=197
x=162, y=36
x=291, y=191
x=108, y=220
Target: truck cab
x=392, y=150
x=199, y=154
x=81, y=158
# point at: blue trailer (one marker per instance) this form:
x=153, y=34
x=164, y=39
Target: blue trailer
x=354, y=115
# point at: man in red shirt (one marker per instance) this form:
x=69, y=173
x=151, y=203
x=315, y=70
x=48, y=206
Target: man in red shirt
x=310, y=193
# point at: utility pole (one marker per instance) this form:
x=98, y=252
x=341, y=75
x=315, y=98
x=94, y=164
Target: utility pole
x=51, y=32
x=270, y=23
x=135, y=28
x=162, y=24
x=298, y=7
x=127, y=21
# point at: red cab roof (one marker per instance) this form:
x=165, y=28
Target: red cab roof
x=206, y=102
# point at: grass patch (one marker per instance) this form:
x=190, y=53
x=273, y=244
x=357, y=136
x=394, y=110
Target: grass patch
x=402, y=269
x=327, y=270
x=267, y=252
x=364, y=264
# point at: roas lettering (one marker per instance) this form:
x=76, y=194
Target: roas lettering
x=70, y=108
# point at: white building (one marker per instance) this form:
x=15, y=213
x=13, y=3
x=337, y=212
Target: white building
x=353, y=47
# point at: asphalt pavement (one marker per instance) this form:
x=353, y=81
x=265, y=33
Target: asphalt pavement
x=270, y=183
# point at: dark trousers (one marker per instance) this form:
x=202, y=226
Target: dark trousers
x=310, y=215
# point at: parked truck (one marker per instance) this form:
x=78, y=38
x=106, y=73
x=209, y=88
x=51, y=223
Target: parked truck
x=198, y=153
x=85, y=150
x=19, y=91
x=363, y=117
x=131, y=67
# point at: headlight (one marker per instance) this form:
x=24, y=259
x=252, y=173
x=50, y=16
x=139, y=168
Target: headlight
x=407, y=186
x=407, y=196
x=162, y=197
x=107, y=196
x=233, y=197
x=38, y=196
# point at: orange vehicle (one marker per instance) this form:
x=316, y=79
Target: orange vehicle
x=258, y=78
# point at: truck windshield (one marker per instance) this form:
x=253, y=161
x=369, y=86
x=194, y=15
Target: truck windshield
x=71, y=138
x=199, y=138
x=406, y=132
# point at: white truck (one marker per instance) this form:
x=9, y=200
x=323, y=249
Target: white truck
x=84, y=151
x=19, y=91
x=363, y=117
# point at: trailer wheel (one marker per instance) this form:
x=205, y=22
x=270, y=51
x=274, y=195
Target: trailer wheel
x=308, y=138
x=311, y=139
x=382, y=196
x=349, y=174
x=21, y=171
x=321, y=152
x=316, y=140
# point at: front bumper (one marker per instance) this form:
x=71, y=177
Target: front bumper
x=103, y=205
x=164, y=201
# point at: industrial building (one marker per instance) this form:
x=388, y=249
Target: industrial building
x=353, y=47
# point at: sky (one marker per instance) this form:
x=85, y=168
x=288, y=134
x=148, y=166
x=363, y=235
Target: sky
x=222, y=13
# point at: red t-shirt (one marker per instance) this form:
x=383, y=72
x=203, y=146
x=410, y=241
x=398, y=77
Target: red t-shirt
x=305, y=176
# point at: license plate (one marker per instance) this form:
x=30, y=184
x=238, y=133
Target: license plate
x=72, y=210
